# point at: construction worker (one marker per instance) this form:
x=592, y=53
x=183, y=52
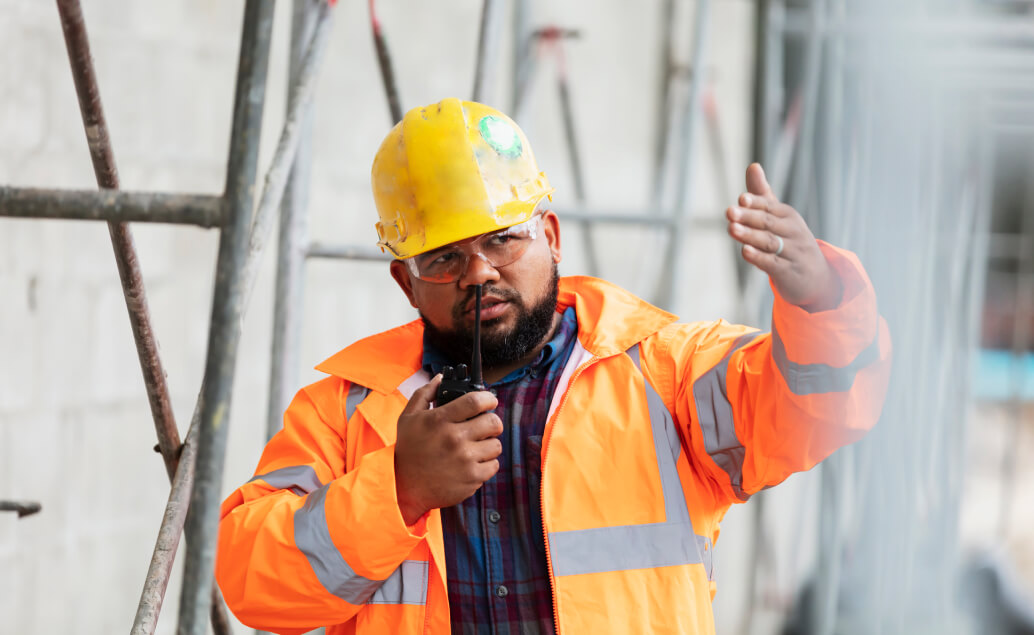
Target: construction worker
x=582, y=492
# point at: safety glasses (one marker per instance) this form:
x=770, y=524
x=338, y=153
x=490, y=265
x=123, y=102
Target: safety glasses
x=447, y=264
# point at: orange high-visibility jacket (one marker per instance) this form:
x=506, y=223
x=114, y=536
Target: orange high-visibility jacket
x=654, y=430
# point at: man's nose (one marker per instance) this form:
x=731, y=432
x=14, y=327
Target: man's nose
x=478, y=271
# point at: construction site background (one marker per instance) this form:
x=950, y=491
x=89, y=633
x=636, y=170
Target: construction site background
x=75, y=430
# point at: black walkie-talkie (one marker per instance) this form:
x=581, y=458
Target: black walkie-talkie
x=458, y=381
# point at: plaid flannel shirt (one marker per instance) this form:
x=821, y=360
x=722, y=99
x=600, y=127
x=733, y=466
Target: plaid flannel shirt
x=496, y=570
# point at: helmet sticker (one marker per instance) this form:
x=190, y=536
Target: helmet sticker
x=501, y=136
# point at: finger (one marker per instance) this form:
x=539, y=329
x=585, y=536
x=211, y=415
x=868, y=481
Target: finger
x=757, y=238
x=423, y=396
x=468, y=406
x=757, y=183
x=756, y=218
x=770, y=205
x=486, y=425
x=753, y=201
x=486, y=450
x=763, y=260
x=486, y=470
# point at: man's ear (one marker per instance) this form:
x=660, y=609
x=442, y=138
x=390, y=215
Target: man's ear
x=402, y=278
x=551, y=226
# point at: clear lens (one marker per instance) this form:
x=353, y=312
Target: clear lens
x=498, y=249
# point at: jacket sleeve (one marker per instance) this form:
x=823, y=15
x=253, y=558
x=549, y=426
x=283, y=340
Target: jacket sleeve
x=756, y=407
x=305, y=543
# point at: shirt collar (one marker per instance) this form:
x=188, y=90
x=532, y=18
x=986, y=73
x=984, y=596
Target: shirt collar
x=433, y=359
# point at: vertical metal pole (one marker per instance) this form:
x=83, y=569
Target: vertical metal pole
x=384, y=63
x=776, y=103
x=522, y=61
x=675, y=253
x=835, y=142
x=803, y=167
x=300, y=95
x=291, y=243
x=592, y=260
x=488, y=50
x=827, y=587
x=224, y=332
x=661, y=132
x=762, y=70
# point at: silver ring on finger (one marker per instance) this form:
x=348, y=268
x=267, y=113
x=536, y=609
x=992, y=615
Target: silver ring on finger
x=781, y=245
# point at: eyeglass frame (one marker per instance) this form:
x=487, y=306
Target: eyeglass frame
x=411, y=265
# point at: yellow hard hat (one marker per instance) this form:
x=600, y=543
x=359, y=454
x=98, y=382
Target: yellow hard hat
x=450, y=171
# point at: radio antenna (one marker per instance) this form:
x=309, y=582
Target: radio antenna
x=475, y=362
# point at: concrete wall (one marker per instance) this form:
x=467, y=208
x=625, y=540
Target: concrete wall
x=75, y=429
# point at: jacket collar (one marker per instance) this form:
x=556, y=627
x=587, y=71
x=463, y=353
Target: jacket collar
x=610, y=321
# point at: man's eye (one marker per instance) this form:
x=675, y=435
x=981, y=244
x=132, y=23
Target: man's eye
x=444, y=259
x=502, y=239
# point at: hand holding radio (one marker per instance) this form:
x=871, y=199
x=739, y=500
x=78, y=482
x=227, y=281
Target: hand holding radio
x=444, y=454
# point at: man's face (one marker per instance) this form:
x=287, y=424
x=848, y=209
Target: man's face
x=518, y=302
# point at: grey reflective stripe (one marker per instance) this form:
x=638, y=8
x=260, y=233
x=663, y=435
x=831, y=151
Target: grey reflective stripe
x=312, y=537
x=626, y=547
x=356, y=394
x=810, y=379
x=666, y=445
x=405, y=585
x=413, y=382
x=714, y=414
x=300, y=479
x=621, y=548
x=706, y=550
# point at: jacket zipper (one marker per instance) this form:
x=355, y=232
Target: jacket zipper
x=542, y=487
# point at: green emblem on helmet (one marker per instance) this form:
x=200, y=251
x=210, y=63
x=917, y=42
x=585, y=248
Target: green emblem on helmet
x=501, y=136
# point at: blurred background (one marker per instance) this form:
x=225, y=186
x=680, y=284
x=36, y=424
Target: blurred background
x=901, y=131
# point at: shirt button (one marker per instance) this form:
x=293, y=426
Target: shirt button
x=494, y=516
x=502, y=591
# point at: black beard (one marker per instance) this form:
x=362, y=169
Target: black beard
x=498, y=348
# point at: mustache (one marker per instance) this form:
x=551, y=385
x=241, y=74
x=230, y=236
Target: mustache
x=508, y=295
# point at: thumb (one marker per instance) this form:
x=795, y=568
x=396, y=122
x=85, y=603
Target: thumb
x=423, y=396
x=757, y=183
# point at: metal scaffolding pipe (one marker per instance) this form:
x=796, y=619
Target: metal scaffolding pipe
x=371, y=253
x=292, y=241
x=224, y=332
x=520, y=56
x=114, y=206
x=663, y=113
x=165, y=548
x=22, y=508
x=300, y=97
x=996, y=31
x=349, y=252
x=649, y=217
x=674, y=276
x=563, y=89
x=384, y=63
x=801, y=178
x=488, y=48
x=104, y=167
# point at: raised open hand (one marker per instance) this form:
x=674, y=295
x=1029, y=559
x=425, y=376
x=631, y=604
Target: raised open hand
x=777, y=241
